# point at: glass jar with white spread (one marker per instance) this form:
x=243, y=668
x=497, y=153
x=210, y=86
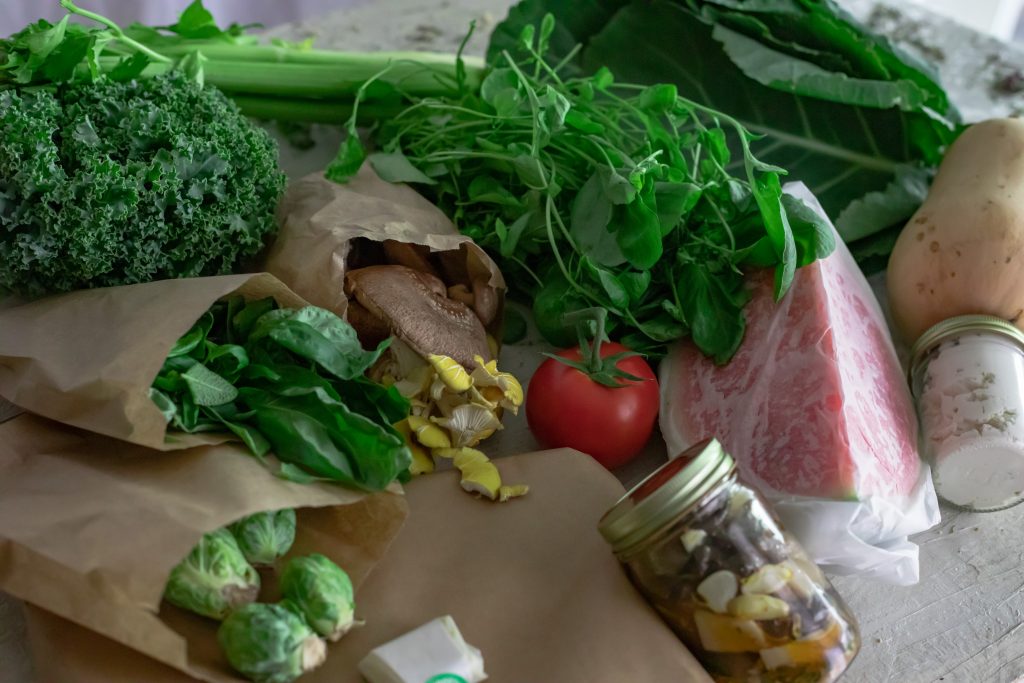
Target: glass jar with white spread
x=967, y=375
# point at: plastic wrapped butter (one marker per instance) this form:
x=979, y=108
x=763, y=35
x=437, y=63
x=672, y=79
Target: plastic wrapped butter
x=432, y=652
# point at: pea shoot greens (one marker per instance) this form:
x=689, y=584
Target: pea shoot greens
x=598, y=193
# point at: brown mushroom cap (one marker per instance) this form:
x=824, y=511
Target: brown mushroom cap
x=419, y=315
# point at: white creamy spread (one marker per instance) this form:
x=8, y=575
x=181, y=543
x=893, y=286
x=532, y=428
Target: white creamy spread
x=972, y=414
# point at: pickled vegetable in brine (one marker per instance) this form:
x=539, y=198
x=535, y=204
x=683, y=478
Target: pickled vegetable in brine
x=745, y=598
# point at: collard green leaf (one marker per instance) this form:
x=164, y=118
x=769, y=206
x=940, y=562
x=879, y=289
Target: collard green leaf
x=768, y=67
x=889, y=206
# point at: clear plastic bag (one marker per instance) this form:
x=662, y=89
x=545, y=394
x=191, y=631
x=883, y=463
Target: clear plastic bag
x=816, y=410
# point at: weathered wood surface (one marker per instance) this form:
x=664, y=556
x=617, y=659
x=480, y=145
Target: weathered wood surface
x=963, y=622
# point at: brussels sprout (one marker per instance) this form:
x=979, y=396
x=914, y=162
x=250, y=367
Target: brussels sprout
x=214, y=579
x=270, y=643
x=323, y=591
x=265, y=536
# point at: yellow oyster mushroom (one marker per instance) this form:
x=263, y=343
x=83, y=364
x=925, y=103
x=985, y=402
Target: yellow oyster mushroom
x=479, y=474
x=506, y=493
x=482, y=478
x=497, y=387
x=469, y=424
x=421, y=463
x=417, y=383
x=453, y=375
x=428, y=433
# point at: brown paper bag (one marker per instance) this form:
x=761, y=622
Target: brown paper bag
x=88, y=358
x=324, y=223
x=90, y=528
x=531, y=583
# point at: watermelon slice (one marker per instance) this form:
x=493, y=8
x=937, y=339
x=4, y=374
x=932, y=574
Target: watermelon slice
x=814, y=403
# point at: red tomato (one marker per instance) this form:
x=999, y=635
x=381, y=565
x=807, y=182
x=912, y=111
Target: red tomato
x=566, y=408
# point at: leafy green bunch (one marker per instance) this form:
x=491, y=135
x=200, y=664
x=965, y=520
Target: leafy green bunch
x=859, y=120
x=597, y=193
x=288, y=381
x=108, y=179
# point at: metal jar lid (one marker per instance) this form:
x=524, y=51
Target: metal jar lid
x=664, y=495
x=951, y=327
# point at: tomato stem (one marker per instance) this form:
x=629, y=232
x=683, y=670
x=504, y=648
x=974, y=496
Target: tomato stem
x=604, y=371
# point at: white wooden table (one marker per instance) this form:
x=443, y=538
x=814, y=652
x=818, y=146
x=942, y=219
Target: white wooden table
x=963, y=622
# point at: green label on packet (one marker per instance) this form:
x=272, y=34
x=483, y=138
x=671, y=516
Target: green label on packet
x=446, y=678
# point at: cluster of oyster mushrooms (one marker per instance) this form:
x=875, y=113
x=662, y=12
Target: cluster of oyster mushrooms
x=442, y=358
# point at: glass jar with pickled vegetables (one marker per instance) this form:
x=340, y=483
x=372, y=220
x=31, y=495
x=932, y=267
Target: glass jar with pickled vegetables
x=709, y=554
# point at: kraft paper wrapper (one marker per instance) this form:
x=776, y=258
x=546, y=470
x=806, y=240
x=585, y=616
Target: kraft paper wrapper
x=319, y=219
x=88, y=358
x=90, y=528
x=530, y=582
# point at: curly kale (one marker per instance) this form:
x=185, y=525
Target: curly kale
x=109, y=183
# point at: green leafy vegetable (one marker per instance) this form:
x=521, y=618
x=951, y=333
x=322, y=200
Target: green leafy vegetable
x=108, y=180
x=860, y=122
x=270, y=643
x=214, y=579
x=599, y=193
x=265, y=536
x=288, y=381
x=116, y=183
x=323, y=593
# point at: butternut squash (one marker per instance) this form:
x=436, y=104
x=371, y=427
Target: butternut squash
x=963, y=251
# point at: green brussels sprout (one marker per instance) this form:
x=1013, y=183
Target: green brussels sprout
x=323, y=592
x=270, y=643
x=265, y=536
x=214, y=579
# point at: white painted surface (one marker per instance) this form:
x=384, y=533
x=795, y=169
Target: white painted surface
x=997, y=17
x=963, y=622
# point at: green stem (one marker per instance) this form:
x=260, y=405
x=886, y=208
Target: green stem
x=591, y=353
x=115, y=29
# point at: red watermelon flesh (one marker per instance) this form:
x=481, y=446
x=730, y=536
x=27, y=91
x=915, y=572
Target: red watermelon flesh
x=814, y=403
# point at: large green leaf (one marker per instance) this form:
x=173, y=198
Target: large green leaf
x=842, y=152
x=840, y=108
